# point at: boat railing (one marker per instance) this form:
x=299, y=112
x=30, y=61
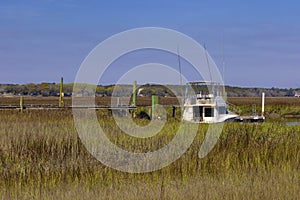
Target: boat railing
x=205, y=101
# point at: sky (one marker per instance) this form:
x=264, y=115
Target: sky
x=42, y=40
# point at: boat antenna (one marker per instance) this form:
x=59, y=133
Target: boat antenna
x=223, y=59
x=179, y=65
x=223, y=66
x=208, y=68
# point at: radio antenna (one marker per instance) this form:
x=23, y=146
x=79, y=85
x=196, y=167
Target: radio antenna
x=223, y=59
x=208, y=63
x=179, y=65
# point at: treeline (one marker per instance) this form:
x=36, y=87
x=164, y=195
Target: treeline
x=31, y=89
x=254, y=92
x=52, y=89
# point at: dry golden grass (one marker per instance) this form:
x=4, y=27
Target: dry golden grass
x=42, y=158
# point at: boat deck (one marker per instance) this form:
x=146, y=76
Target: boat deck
x=250, y=119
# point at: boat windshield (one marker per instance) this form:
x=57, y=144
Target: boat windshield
x=204, y=90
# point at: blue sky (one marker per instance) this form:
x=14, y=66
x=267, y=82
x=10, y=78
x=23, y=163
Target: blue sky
x=42, y=40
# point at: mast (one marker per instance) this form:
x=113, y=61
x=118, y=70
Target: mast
x=212, y=89
x=223, y=59
x=223, y=67
x=179, y=65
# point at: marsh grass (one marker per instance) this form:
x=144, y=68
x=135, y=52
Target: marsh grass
x=43, y=158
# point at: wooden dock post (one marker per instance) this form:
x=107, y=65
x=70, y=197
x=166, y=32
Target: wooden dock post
x=154, y=102
x=21, y=103
x=174, y=111
x=134, y=94
x=134, y=98
x=61, y=94
x=262, y=104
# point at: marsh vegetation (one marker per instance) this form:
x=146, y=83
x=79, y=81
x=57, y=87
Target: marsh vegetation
x=43, y=158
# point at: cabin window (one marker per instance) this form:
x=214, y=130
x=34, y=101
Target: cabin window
x=197, y=111
x=209, y=112
x=222, y=110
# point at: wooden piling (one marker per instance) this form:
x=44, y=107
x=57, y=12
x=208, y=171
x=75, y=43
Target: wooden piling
x=174, y=112
x=61, y=94
x=21, y=103
x=154, y=102
x=134, y=98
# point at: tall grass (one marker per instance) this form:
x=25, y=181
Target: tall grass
x=43, y=158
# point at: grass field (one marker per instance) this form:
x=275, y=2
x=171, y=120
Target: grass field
x=43, y=158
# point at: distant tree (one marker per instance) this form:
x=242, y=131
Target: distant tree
x=45, y=89
x=32, y=89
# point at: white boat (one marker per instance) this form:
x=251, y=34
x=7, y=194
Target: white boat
x=204, y=103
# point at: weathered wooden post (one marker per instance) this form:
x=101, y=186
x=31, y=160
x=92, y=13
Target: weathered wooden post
x=262, y=104
x=154, y=102
x=134, y=94
x=134, y=98
x=21, y=103
x=61, y=94
x=174, y=111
